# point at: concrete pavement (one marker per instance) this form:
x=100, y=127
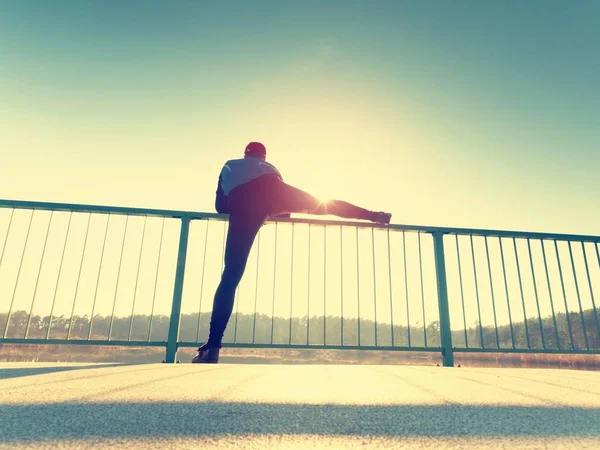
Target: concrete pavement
x=53, y=405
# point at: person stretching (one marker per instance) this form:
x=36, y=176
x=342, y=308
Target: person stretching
x=252, y=191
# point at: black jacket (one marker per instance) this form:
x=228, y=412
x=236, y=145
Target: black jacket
x=222, y=201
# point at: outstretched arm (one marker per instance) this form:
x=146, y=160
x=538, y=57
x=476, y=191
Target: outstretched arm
x=221, y=201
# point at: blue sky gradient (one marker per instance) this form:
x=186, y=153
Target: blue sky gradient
x=474, y=114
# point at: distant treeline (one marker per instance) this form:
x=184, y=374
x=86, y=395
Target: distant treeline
x=246, y=328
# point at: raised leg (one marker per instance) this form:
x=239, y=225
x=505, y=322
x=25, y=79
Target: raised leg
x=294, y=200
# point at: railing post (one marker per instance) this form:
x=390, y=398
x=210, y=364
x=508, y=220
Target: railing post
x=442, y=288
x=177, y=292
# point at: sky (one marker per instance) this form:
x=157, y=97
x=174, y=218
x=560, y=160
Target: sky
x=458, y=114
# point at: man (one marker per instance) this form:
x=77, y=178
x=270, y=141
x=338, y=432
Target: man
x=251, y=191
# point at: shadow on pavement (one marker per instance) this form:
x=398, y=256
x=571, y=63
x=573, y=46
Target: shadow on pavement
x=178, y=419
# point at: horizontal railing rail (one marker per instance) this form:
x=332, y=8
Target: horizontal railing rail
x=103, y=275
x=194, y=215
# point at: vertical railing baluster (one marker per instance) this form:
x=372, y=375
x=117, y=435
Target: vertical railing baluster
x=6, y=237
x=98, y=278
x=512, y=332
x=487, y=254
x=37, y=280
x=406, y=286
x=85, y=240
x=256, y=288
x=308, y=294
x=202, y=282
x=598, y=259
x=374, y=282
x=237, y=308
x=358, y=285
x=462, y=296
x=522, y=295
x=537, y=302
x=291, y=284
x=225, y=225
x=18, y=275
x=60, y=266
x=422, y=289
x=550, y=294
x=175, y=320
x=156, y=278
x=137, y=277
x=443, y=307
x=274, y=284
x=562, y=284
x=324, y=284
x=587, y=347
x=112, y=315
x=390, y=281
x=587, y=271
x=342, y=286
x=477, y=293
x=4, y=246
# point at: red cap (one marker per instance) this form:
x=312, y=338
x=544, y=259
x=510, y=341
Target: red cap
x=255, y=149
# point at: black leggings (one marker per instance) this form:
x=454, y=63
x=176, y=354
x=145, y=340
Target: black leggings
x=250, y=206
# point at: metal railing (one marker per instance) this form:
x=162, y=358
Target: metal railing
x=81, y=274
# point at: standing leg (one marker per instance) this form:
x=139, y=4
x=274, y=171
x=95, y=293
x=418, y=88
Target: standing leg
x=240, y=238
